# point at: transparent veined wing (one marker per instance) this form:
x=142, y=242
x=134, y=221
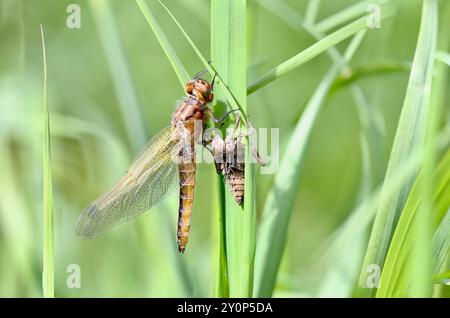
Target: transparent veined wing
x=151, y=177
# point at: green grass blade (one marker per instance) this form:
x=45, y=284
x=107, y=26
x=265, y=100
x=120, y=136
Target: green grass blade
x=339, y=280
x=180, y=70
x=295, y=21
x=347, y=14
x=405, y=235
x=278, y=206
x=362, y=216
x=221, y=286
x=311, y=52
x=285, y=12
x=229, y=55
x=440, y=78
x=409, y=261
x=358, y=74
x=371, y=136
x=48, y=272
x=421, y=267
x=410, y=135
x=441, y=243
x=312, y=11
x=443, y=279
x=443, y=57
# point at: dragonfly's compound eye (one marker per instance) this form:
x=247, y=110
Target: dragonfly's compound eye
x=189, y=88
x=204, y=88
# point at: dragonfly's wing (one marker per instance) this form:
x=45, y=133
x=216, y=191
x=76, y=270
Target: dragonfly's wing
x=152, y=177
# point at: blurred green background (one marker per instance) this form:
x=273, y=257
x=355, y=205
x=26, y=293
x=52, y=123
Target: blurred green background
x=98, y=125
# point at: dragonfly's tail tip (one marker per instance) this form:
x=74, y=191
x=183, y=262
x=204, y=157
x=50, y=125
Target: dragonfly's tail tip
x=181, y=249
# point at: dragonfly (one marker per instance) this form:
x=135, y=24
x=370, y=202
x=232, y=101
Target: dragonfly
x=229, y=158
x=165, y=166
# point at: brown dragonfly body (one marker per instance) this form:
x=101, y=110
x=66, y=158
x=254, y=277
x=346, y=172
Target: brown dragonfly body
x=155, y=174
x=189, y=111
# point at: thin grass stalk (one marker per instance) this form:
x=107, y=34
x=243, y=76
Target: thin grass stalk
x=48, y=272
x=220, y=267
x=311, y=12
x=421, y=266
x=314, y=50
x=229, y=56
x=443, y=57
x=347, y=14
x=295, y=21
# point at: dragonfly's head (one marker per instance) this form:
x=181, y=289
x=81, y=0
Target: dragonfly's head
x=199, y=89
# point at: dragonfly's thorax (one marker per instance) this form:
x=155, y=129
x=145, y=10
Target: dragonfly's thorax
x=194, y=106
x=188, y=109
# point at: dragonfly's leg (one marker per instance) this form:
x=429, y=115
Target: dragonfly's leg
x=206, y=143
x=218, y=120
x=212, y=83
x=236, y=126
x=251, y=131
x=257, y=156
x=208, y=146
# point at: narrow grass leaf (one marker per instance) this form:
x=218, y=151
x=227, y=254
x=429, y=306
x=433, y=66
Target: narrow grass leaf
x=339, y=280
x=363, y=215
x=288, y=15
x=311, y=52
x=443, y=57
x=48, y=273
x=285, y=12
x=220, y=287
x=420, y=267
x=354, y=11
x=409, y=267
x=404, y=238
x=369, y=71
x=441, y=243
x=311, y=11
x=409, y=136
x=278, y=206
x=229, y=55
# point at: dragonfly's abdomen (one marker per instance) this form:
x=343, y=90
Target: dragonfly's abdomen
x=187, y=113
x=187, y=187
x=236, y=181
